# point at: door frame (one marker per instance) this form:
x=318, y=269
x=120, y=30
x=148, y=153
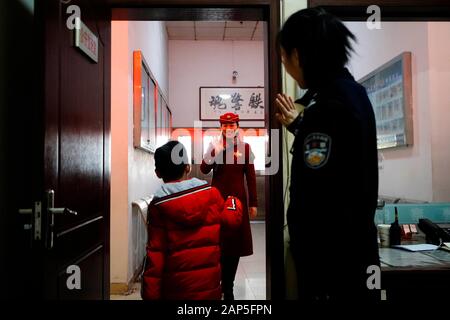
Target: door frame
x=391, y=10
x=191, y=10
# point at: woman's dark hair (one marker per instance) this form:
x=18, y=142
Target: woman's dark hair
x=322, y=42
x=171, y=160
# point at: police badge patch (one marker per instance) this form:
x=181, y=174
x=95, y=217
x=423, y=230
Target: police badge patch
x=316, y=150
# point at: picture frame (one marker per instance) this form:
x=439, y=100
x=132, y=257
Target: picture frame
x=144, y=104
x=247, y=102
x=152, y=117
x=389, y=88
x=164, y=119
x=167, y=118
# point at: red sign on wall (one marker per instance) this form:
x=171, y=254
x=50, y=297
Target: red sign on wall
x=86, y=41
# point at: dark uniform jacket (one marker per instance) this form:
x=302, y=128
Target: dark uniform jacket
x=228, y=178
x=334, y=188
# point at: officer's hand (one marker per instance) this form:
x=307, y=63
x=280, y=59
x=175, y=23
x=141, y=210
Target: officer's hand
x=253, y=212
x=287, y=111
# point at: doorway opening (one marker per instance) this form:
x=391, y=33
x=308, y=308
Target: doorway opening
x=185, y=51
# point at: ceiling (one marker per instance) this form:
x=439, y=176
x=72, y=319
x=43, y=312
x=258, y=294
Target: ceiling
x=215, y=30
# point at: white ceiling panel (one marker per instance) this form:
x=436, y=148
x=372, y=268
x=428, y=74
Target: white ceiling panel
x=238, y=32
x=258, y=34
x=241, y=24
x=210, y=24
x=180, y=24
x=215, y=30
x=209, y=33
x=177, y=33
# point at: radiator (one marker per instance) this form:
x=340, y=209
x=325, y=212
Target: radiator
x=139, y=232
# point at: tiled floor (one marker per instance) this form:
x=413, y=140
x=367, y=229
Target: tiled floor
x=250, y=283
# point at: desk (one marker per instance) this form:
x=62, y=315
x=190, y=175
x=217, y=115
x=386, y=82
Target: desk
x=415, y=275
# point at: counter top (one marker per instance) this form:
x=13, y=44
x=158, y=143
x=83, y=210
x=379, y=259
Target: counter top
x=395, y=259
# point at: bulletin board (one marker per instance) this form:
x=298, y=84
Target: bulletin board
x=247, y=102
x=390, y=92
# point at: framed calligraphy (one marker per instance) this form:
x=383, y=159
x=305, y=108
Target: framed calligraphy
x=247, y=102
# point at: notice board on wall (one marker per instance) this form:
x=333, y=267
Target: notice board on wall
x=390, y=91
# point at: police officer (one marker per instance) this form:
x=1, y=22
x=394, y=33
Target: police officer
x=334, y=176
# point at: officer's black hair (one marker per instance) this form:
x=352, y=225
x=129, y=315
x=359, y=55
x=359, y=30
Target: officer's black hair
x=322, y=42
x=170, y=168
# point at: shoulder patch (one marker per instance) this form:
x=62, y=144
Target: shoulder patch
x=316, y=150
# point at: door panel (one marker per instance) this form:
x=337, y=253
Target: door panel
x=82, y=239
x=76, y=153
x=91, y=281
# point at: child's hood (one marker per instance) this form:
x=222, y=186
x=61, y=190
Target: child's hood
x=183, y=202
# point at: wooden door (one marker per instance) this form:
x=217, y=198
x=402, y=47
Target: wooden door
x=76, y=155
x=60, y=158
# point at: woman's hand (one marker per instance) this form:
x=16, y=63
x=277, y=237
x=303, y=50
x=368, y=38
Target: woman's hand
x=253, y=212
x=287, y=111
x=217, y=145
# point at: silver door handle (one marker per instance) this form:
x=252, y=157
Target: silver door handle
x=51, y=212
x=62, y=211
x=44, y=231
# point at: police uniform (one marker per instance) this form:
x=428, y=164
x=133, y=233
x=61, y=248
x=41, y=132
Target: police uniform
x=231, y=169
x=333, y=191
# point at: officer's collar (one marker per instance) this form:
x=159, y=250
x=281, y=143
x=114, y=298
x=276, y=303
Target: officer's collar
x=311, y=96
x=308, y=98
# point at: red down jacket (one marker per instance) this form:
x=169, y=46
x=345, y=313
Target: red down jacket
x=183, y=249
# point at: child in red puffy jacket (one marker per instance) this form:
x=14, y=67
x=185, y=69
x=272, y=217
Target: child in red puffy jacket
x=185, y=219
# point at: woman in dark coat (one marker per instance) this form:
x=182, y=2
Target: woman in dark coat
x=231, y=161
x=334, y=176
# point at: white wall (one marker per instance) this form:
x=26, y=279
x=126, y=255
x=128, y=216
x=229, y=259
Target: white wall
x=132, y=170
x=193, y=64
x=439, y=75
x=151, y=38
x=119, y=152
x=406, y=172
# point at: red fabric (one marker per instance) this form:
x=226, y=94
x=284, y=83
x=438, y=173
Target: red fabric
x=233, y=170
x=229, y=117
x=183, y=250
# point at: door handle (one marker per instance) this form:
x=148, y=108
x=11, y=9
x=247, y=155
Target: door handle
x=62, y=211
x=51, y=212
x=49, y=220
